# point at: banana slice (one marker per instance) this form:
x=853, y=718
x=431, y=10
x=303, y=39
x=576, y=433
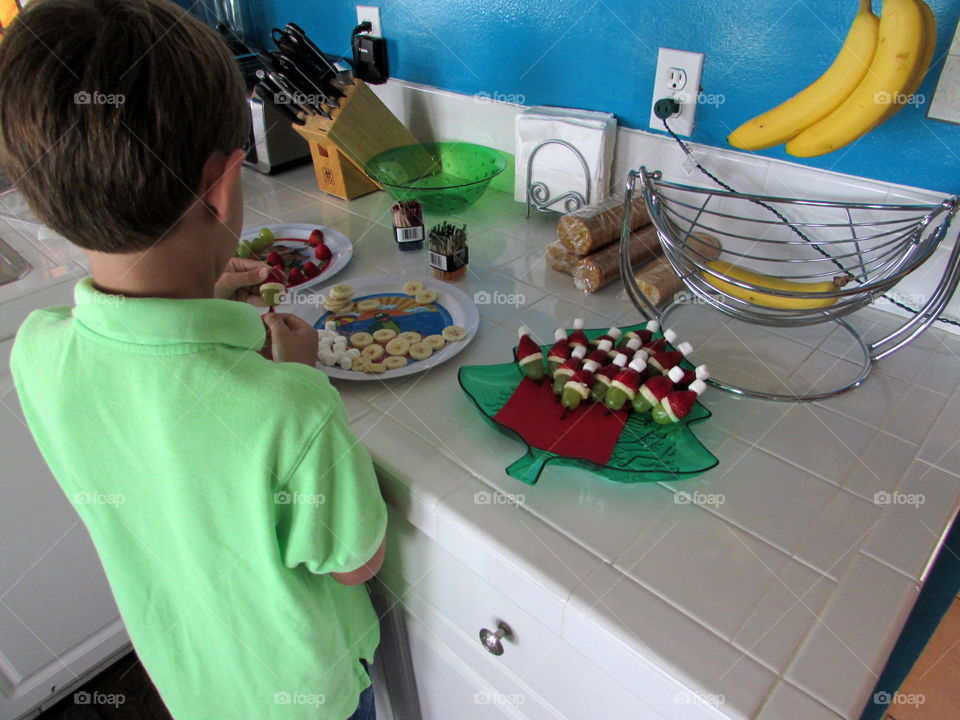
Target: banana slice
x=341, y=292
x=410, y=336
x=413, y=287
x=394, y=362
x=435, y=341
x=336, y=306
x=372, y=352
x=368, y=305
x=420, y=351
x=360, y=364
x=361, y=339
x=375, y=367
x=384, y=335
x=425, y=297
x=452, y=333
x=397, y=346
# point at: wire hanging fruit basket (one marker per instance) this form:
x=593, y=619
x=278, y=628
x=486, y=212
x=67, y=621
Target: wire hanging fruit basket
x=790, y=262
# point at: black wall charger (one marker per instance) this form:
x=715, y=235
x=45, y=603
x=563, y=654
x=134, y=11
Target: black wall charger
x=369, y=56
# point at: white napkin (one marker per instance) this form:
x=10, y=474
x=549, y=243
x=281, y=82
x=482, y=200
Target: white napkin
x=594, y=134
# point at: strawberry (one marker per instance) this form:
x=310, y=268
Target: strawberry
x=322, y=252
x=273, y=258
x=310, y=270
x=316, y=237
x=296, y=276
x=277, y=275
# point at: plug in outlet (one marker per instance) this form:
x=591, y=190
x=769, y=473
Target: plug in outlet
x=678, y=77
x=371, y=14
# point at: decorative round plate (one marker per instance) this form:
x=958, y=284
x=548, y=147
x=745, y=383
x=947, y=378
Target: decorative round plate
x=399, y=311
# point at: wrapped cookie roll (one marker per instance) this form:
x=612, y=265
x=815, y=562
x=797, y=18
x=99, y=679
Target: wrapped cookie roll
x=658, y=280
x=561, y=259
x=603, y=267
x=591, y=228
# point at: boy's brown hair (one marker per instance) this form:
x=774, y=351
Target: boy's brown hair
x=108, y=111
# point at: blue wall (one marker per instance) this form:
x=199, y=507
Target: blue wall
x=601, y=55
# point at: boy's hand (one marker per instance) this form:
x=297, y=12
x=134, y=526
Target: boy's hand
x=237, y=279
x=292, y=339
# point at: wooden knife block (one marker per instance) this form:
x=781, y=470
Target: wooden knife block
x=359, y=129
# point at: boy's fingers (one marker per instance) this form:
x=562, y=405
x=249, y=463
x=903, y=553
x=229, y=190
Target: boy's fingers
x=276, y=323
x=247, y=277
x=297, y=323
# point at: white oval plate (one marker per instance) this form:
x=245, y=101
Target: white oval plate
x=452, y=301
x=338, y=243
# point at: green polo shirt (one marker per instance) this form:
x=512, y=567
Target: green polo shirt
x=220, y=490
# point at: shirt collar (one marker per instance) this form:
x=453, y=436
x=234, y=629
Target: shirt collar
x=167, y=321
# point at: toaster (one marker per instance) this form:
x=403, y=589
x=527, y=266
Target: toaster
x=274, y=145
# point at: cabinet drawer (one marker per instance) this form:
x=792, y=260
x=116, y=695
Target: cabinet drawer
x=555, y=677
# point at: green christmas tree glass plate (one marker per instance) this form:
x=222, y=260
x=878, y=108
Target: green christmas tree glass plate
x=645, y=451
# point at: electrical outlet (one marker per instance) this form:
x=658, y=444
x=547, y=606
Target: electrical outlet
x=368, y=12
x=678, y=77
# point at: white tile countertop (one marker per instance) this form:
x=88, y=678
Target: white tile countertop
x=779, y=596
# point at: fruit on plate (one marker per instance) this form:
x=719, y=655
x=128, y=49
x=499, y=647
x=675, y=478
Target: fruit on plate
x=885, y=88
x=655, y=389
x=529, y=356
x=420, y=351
x=645, y=334
x=815, y=102
x=678, y=403
x=612, y=335
x=701, y=372
x=623, y=388
x=273, y=258
x=316, y=237
x=578, y=338
x=322, y=253
x=453, y=333
x=412, y=287
x=779, y=284
x=272, y=293
x=559, y=352
x=605, y=375
x=661, y=343
x=577, y=388
x=568, y=368
x=601, y=356
x=664, y=361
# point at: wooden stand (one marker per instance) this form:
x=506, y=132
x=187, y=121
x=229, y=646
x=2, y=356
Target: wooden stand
x=361, y=128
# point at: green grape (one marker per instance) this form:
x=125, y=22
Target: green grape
x=615, y=398
x=641, y=404
x=660, y=415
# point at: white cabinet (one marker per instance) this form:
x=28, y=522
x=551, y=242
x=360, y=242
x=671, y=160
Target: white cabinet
x=58, y=621
x=445, y=605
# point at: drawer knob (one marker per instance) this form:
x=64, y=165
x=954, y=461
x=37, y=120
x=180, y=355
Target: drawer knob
x=491, y=640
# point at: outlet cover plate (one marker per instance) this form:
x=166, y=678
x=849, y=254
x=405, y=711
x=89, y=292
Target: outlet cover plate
x=371, y=13
x=692, y=65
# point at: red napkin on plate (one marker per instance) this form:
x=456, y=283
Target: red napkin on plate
x=590, y=432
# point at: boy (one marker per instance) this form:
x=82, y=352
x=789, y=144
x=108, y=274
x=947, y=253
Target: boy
x=235, y=514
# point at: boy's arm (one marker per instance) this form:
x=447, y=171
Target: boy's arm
x=366, y=571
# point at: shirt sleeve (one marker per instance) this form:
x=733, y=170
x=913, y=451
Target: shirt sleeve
x=330, y=514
